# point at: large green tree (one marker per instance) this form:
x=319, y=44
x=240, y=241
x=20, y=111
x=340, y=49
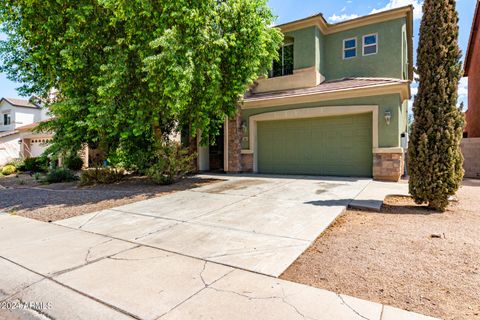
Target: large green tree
x=435, y=159
x=127, y=72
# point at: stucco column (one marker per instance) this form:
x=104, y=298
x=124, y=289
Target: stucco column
x=26, y=147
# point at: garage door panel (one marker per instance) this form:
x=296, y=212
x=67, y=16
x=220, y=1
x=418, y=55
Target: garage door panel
x=340, y=146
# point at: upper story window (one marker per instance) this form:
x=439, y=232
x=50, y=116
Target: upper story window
x=370, y=44
x=284, y=66
x=7, y=120
x=349, y=48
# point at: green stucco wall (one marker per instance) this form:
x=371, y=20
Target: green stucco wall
x=304, y=47
x=325, y=52
x=388, y=62
x=389, y=135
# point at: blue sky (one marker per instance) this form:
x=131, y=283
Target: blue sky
x=336, y=11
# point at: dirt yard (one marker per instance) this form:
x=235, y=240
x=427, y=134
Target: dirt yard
x=406, y=256
x=26, y=197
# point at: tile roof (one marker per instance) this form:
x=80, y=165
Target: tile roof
x=31, y=126
x=21, y=103
x=8, y=133
x=324, y=87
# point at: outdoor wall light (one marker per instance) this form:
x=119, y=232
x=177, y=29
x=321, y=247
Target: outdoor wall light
x=244, y=127
x=388, y=117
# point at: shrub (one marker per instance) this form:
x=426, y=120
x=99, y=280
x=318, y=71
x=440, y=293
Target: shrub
x=39, y=164
x=19, y=164
x=8, y=170
x=101, y=176
x=73, y=162
x=60, y=175
x=173, y=162
x=434, y=154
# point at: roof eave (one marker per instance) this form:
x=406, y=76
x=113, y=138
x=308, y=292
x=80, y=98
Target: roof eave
x=401, y=88
x=327, y=28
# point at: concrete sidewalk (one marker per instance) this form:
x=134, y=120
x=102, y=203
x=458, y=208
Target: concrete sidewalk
x=57, y=272
x=373, y=196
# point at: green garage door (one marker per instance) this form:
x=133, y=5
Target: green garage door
x=332, y=146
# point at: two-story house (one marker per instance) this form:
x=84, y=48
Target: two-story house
x=17, y=140
x=17, y=113
x=335, y=103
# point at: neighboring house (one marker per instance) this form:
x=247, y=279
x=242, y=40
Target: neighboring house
x=472, y=71
x=17, y=139
x=18, y=113
x=471, y=143
x=335, y=104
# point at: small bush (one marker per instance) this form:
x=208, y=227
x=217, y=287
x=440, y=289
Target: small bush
x=73, y=162
x=101, y=176
x=39, y=164
x=19, y=164
x=8, y=170
x=173, y=162
x=61, y=175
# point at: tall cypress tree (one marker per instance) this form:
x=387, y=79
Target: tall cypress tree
x=435, y=159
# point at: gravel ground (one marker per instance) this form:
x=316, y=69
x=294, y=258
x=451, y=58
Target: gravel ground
x=406, y=256
x=25, y=197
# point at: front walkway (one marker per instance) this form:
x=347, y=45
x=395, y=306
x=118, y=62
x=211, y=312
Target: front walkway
x=156, y=259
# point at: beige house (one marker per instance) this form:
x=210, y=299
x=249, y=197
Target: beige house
x=18, y=119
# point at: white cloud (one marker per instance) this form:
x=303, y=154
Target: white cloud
x=392, y=4
x=463, y=87
x=342, y=17
x=463, y=92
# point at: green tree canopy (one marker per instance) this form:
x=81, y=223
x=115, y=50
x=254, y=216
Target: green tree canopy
x=435, y=159
x=128, y=71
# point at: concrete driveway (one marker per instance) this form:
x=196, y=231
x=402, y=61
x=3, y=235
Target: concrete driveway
x=253, y=223
x=183, y=256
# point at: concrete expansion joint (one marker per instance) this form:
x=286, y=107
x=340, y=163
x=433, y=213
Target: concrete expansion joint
x=351, y=308
x=88, y=221
x=157, y=231
x=51, y=277
x=12, y=296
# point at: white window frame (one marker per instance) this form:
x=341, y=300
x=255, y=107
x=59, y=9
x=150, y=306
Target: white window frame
x=369, y=45
x=9, y=116
x=283, y=56
x=283, y=59
x=345, y=49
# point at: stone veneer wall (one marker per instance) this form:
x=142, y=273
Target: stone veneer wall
x=247, y=162
x=388, y=166
x=234, y=145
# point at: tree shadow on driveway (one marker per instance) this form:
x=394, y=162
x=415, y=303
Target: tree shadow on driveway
x=52, y=203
